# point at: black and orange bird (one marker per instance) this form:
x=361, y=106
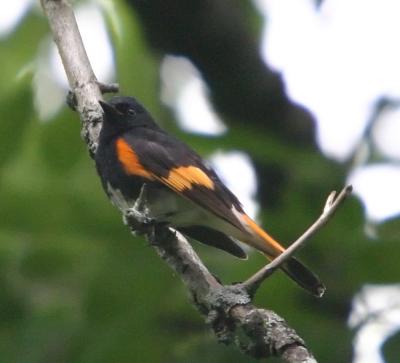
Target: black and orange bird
x=181, y=189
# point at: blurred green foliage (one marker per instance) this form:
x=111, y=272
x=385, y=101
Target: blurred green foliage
x=75, y=286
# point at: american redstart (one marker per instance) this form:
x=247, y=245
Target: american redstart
x=181, y=189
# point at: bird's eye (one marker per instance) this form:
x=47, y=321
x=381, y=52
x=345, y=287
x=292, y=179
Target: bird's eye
x=131, y=112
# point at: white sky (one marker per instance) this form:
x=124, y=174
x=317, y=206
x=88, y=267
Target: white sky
x=338, y=62
x=184, y=90
x=376, y=314
x=10, y=15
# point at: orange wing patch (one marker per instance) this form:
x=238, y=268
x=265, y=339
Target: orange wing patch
x=129, y=160
x=184, y=177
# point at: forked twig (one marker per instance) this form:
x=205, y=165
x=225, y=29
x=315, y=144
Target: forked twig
x=332, y=203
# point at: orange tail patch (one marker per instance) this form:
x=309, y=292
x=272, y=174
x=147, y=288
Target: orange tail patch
x=257, y=230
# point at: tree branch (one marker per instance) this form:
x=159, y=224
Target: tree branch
x=81, y=77
x=228, y=309
x=331, y=205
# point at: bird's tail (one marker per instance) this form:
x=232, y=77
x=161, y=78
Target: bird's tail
x=303, y=276
x=298, y=272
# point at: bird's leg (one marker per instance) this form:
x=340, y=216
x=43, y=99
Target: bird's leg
x=141, y=201
x=134, y=214
x=137, y=216
x=155, y=227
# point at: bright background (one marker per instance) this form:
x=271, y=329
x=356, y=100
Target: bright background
x=76, y=287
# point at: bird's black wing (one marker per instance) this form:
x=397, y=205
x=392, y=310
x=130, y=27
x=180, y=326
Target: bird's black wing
x=173, y=164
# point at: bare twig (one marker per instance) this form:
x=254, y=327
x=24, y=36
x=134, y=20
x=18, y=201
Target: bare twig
x=331, y=205
x=108, y=87
x=228, y=309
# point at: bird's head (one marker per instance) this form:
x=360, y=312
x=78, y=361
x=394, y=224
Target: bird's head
x=125, y=113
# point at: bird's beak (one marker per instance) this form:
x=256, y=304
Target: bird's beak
x=108, y=109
